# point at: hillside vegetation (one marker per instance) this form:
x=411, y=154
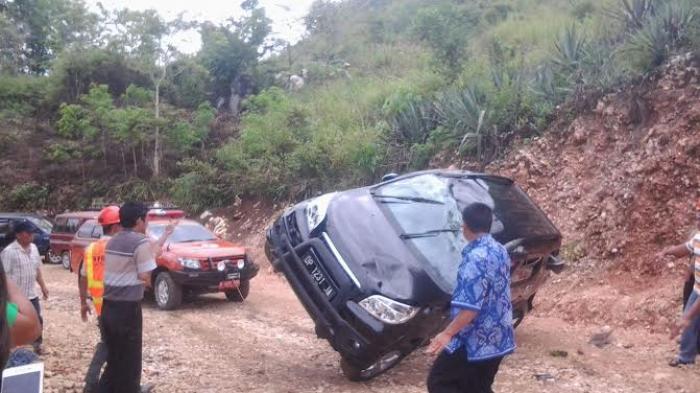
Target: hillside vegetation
x=100, y=105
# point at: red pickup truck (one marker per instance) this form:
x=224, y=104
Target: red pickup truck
x=193, y=261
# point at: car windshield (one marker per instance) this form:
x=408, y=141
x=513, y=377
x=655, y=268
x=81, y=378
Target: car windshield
x=183, y=233
x=426, y=209
x=430, y=229
x=43, y=224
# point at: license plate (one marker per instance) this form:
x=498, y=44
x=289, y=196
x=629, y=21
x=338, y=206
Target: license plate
x=318, y=275
x=233, y=276
x=230, y=284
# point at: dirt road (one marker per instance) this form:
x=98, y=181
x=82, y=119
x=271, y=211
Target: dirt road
x=267, y=345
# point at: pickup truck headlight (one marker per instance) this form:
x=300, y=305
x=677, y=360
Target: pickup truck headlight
x=189, y=263
x=387, y=310
x=316, y=210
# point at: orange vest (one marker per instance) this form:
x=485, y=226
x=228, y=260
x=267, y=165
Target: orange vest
x=95, y=272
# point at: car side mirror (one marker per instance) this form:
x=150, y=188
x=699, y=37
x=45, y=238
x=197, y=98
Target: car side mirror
x=389, y=176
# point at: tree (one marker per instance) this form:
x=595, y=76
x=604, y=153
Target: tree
x=131, y=125
x=47, y=27
x=146, y=38
x=446, y=29
x=99, y=105
x=230, y=52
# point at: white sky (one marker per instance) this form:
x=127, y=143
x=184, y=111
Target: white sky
x=287, y=15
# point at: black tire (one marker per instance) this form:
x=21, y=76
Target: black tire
x=239, y=294
x=167, y=292
x=517, y=320
x=357, y=374
x=65, y=260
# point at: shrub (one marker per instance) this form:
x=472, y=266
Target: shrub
x=201, y=186
x=27, y=196
x=20, y=96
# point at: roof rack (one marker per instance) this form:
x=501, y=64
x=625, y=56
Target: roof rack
x=99, y=204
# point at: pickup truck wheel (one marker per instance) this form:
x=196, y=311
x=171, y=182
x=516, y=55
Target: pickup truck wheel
x=53, y=258
x=384, y=364
x=65, y=260
x=239, y=294
x=167, y=292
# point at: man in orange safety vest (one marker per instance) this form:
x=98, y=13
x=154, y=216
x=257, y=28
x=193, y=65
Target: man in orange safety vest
x=91, y=282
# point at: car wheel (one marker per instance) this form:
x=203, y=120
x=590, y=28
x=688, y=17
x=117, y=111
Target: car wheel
x=65, y=260
x=384, y=364
x=167, y=292
x=53, y=258
x=239, y=294
x=518, y=317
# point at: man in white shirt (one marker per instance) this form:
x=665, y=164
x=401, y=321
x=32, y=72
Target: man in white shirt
x=22, y=264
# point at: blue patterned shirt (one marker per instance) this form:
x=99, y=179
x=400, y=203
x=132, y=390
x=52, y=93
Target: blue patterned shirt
x=483, y=286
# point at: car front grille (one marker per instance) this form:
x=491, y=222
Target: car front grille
x=293, y=229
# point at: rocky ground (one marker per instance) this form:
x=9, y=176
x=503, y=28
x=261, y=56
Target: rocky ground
x=267, y=344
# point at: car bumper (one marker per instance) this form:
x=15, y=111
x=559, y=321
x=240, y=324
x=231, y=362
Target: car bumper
x=350, y=330
x=212, y=280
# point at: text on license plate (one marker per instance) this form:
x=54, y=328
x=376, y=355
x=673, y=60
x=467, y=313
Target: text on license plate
x=318, y=275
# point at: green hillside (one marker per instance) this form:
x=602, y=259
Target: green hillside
x=388, y=84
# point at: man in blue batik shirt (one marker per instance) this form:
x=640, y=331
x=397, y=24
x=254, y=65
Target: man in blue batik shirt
x=481, y=331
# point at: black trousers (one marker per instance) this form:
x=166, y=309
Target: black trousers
x=99, y=358
x=37, y=307
x=122, y=332
x=453, y=373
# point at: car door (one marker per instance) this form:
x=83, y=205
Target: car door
x=5, y=233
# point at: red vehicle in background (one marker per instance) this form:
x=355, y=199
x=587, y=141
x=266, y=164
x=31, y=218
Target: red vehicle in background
x=65, y=227
x=192, y=261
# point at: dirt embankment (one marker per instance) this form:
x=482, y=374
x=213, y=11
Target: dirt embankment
x=620, y=182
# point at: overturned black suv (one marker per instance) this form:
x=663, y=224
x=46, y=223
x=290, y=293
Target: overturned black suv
x=375, y=267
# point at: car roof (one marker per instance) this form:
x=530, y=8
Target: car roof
x=79, y=214
x=150, y=220
x=18, y=215
x=166, y=220
x=448, y=173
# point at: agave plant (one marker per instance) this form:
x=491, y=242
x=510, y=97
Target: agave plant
x=465, y=113
x=414, y=123
x=663, y=32
x=633, y=13
x=460, y=110
x=570, y=50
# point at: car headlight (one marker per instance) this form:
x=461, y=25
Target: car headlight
x=240, y=264
x=189, y=263
x=316, y=210
x=387, y=310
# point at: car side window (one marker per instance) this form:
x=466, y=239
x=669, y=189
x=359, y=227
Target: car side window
x=97, y=232
x=60, y=225
x=72, y=225
x=4, y=226
x=86, y=230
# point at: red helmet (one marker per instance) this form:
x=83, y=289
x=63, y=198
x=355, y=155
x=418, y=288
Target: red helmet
x=109, y=215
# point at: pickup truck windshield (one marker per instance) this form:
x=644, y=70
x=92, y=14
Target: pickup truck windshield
x=183, y=233
x=433, y=230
